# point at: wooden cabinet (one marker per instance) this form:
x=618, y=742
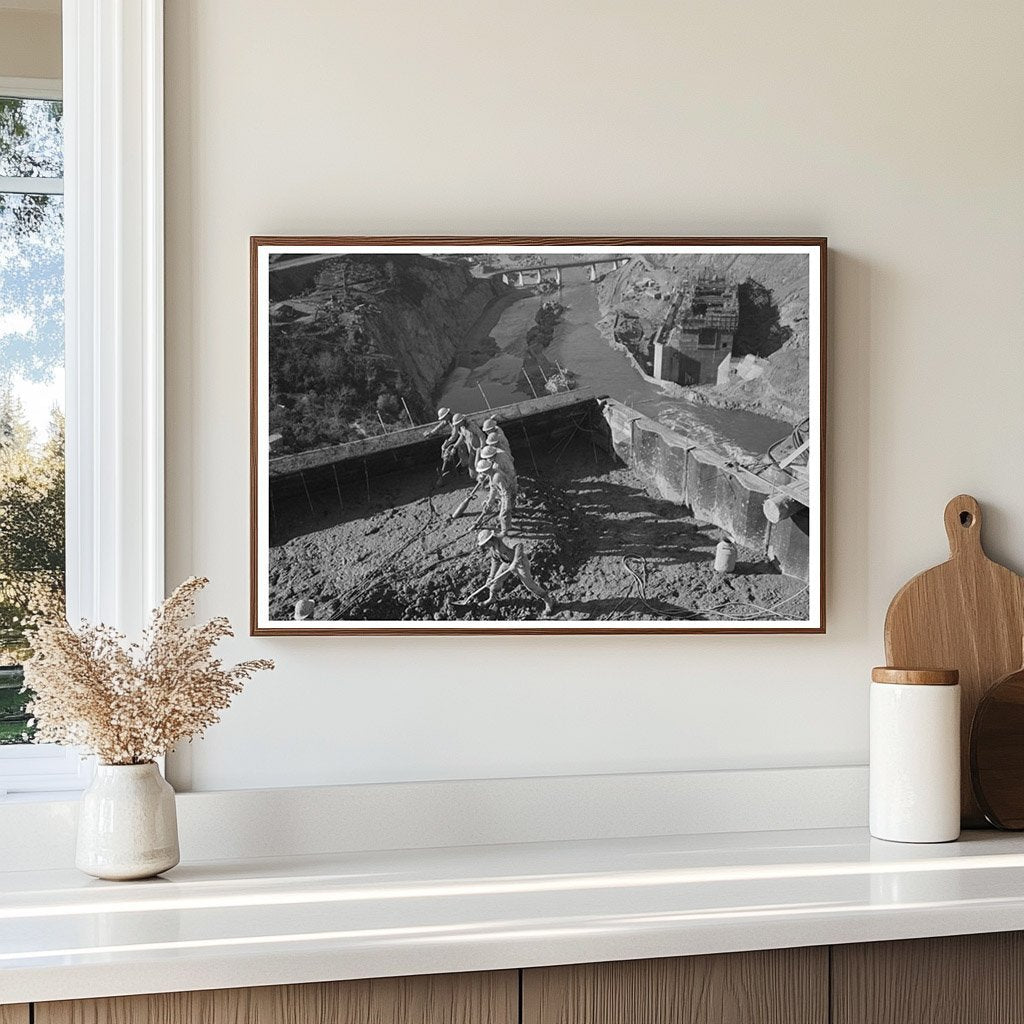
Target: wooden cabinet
x=491, y=998
x=778, y=986
x=962, y=979
x=968, y=979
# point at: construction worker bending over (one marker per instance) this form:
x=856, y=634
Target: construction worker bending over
x=471, y=433
x=500, y=491
x=444, y=422
x=508, y=561
x=466, y=440
x=490, y=426
x=502, y=460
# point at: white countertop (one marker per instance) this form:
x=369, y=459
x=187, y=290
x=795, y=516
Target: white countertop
x=357, y=915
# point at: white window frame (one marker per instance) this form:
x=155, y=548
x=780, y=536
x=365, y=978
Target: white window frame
x=114, y=347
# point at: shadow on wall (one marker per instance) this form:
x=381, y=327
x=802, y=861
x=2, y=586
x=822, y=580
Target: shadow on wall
x=760, y=331
x=857, y=290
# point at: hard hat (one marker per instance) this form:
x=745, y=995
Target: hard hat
x=490, y=423
x=484, y=465
x=304, y=609
x=444, y=412
x=488, y=451
x=494, y=438
x=483, y=537
x=459, y=417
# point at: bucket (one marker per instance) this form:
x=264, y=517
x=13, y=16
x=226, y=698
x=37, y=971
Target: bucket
x=725, y=556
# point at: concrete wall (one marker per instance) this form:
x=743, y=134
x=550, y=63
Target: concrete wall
x=700, y=365
x=893, y=128
x=30, y=43
x=676, y=468
x=334, y=470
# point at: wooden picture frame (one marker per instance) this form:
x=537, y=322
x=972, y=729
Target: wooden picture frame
x=678, y=312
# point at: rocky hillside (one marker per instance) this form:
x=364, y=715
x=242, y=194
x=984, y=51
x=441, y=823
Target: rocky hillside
x=352, y=336
x=773, y=320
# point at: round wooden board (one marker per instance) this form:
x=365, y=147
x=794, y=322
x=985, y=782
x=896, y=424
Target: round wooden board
x=997, y=752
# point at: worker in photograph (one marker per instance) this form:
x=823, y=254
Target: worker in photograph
x=490, y=426
x=445, y=418
x=464, y=442
x=503, y=460
x=444, y=422
x=501, y=492
x=506, y=561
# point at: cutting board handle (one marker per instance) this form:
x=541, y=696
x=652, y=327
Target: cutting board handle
x=963, y=527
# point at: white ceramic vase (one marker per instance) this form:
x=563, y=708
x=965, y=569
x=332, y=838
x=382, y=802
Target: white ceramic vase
x=127, y=824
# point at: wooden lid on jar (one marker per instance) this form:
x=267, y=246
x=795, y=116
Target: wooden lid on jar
x=916, y=676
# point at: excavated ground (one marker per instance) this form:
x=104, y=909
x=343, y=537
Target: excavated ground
x=604, y=548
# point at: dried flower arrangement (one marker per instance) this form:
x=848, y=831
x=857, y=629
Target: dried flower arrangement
x=130, y=703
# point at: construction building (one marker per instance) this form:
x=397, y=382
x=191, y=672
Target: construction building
x=697, y=335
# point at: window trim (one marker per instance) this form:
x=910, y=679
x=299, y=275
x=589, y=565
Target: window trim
x=32, y=88
x=113, y=169
x=31, y=186
x=114, y=346
x=43, y=768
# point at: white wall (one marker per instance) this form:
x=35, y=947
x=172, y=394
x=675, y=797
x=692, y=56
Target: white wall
x=895, y=129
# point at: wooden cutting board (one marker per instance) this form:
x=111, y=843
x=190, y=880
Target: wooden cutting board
x=967, y=614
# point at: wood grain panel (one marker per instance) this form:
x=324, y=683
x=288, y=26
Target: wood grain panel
x=482, y=998
x=778, y=986
x=962, y=979
x=14, y=1014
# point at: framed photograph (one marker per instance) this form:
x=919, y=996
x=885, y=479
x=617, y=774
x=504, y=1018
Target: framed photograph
x=537, y=435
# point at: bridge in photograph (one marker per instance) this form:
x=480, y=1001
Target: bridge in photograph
x=523, y=276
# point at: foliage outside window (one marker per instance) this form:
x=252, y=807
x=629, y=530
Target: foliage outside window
x=31, y=386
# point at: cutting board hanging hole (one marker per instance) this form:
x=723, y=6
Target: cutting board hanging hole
x=963, y=526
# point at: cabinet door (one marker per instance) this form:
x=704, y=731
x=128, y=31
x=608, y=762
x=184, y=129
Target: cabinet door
x=778, y=986
x=14, y=1014
x=490, y=998
x=962, y=979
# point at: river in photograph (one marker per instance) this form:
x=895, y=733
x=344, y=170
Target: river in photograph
x=580, y=348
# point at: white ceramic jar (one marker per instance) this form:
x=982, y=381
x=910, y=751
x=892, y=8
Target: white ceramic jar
x=915, y=755
x=127, y=823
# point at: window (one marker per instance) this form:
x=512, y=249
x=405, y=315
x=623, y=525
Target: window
x=31, y=383
x=32, y=532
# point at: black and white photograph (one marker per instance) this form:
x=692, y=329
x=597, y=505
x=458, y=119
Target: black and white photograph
x=537, y=435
